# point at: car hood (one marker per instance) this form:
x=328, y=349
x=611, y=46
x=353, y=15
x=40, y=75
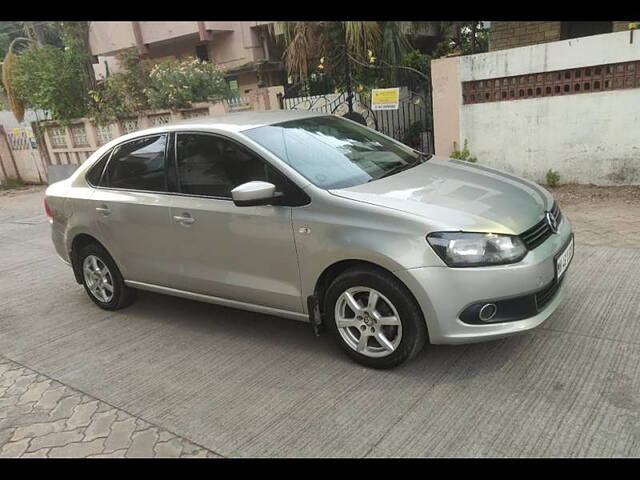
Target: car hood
x=457, y=195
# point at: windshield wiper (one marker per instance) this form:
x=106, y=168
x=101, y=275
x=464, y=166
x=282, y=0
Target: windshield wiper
x=395, y=170
x=424, y=157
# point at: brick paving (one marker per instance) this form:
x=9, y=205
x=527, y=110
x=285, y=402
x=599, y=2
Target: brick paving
x=40, y=417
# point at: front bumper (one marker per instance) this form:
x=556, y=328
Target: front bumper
x=444, y=293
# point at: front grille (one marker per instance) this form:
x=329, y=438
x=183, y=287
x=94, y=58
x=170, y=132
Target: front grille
x=543, y=297
x=537, y=234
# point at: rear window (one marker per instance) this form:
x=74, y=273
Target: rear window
x=95, y=173
x=139, y=165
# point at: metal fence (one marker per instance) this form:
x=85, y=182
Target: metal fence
x=410, y=123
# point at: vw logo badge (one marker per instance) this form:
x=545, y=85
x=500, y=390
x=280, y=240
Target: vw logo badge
x=553, y=223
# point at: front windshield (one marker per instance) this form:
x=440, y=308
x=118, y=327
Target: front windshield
x=332, y=152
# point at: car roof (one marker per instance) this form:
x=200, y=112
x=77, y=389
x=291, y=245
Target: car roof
x=239, y=121
x=230, y=122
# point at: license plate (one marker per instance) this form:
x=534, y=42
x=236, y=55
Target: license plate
x=563, y=260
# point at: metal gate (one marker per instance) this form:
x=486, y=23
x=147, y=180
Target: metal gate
x=410, y=123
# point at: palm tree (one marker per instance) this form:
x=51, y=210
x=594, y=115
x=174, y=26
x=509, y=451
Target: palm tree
x=327, y=42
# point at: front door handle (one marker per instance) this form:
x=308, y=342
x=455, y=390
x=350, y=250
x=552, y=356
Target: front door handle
x=103, y=209
x=184, y=219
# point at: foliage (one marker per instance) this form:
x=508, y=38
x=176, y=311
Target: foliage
x=553, y=178
x=463, y=154
x=8, y=81
x=122, y=94
x=179, y=83
x=8, y=31
x=11, y=183
x=418, y=60
x=75, y=38
x=46, y=78
x=462, y=38
x=321, y=48
x=412, y=135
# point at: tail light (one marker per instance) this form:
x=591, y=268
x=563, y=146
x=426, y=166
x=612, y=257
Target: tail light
x=47, y=210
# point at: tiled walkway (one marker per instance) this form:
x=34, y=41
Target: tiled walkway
x=40, y=417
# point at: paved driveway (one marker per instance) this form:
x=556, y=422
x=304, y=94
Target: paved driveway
x=217, y=381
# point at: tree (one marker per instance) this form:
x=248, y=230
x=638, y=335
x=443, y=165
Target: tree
x=122, y=94
x=327, y=44
x=313, y=49
x=9, y=65
x=75, y=37
x=463, y=38
x=46, y=77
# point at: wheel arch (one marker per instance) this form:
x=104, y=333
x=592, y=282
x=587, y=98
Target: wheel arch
x=80, y=240
x=336, y=268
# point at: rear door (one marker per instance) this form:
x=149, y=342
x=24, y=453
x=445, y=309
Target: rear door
x=131, y=207
x=239, y=253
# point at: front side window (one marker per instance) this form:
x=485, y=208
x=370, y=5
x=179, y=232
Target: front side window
x=334, y=153
x=212, y=166
x=138, y=165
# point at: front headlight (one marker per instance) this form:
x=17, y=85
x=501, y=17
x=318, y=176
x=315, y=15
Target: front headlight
x=459, y=249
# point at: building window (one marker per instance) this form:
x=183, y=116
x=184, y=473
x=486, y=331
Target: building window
x=58, y=136
x=570, y=30
x=158, y=120
x=79, y=135
x=130, y=125
x=202, y=53
x=103, y=132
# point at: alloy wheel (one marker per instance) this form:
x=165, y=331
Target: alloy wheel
x=368, y=322
x=98, y=278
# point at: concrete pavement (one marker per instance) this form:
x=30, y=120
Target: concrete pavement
x=235, y=383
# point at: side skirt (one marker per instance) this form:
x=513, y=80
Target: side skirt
x=218, y=301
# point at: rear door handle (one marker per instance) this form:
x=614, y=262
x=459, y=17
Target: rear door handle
x=184, y=219
x=103, y=209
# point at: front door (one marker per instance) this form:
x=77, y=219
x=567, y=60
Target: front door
x=239, y=253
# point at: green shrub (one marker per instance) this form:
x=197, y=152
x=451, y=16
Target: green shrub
x=463, y=154
x=122, y=94
x=179, y=83
x=553, y=178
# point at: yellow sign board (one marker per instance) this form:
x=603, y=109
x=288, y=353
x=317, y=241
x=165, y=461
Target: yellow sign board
x=385, y=98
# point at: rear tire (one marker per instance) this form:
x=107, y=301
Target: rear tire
x=102, y=279
x=374, y=318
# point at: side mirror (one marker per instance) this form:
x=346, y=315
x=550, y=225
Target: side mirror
x=254, y=193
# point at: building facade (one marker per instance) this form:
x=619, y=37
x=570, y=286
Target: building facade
x=245, y=50
x=505, y=35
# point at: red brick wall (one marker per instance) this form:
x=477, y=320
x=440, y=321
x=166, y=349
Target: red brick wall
x=519, y=34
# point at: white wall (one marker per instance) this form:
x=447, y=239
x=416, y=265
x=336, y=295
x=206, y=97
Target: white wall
x=587, y=138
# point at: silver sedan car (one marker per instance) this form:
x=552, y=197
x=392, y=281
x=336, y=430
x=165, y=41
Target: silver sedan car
x=316, y=218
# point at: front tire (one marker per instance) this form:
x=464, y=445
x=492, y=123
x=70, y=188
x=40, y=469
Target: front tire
x=374, y=318
x=102, y=279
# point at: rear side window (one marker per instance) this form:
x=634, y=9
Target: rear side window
x=139, y=165
x=95, y=173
